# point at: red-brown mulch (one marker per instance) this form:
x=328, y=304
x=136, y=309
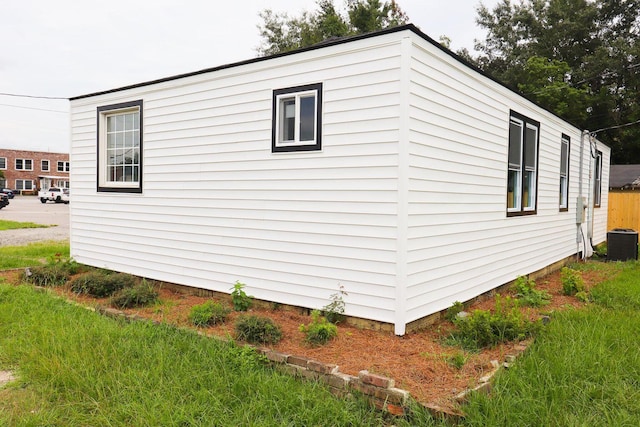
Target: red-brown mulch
x=416, y=361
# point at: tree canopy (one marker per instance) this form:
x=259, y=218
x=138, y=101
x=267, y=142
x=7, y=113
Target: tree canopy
x=281, y=32
x=579, y=58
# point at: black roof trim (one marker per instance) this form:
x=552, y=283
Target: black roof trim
x=262, y=58
x=322, y=45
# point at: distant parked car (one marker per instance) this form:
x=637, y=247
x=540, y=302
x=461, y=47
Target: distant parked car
x=9, y=192
x=54, y=194
x=4, y=200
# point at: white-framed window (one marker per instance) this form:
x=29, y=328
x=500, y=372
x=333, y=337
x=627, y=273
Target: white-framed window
x=24, y=164
x=597, y=179
x=297, y=119
x=63, y=166
x=44, y=165
x=522, y=174
x=3, y=163
x=24, y=184
x=565, y=146
x=120, y=147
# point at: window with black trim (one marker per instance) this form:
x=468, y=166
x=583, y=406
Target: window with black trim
x=565, y=146
x=44, y=165
x=120, y=147
x=522, y=175
x=597, y=180
x=297, y=119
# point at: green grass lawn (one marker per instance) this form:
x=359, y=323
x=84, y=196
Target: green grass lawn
x=583, y=369
x=12, y=225
x=32, y=254
x=76, y=367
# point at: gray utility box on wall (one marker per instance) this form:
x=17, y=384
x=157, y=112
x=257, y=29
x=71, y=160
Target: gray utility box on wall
x=622, y=244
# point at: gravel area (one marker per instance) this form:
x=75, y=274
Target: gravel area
x=30, y=209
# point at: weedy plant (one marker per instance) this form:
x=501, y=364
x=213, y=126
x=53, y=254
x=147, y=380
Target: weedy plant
x=257, y=330
x=66, y=263
x=55, y=272
x=453, y=311
x=528, y=295
x=209, y=313
x=46, y=275
x=241, y=301
x=334, y=311
x=456, y=360
x=572, y=281
x=140, y=295
x=483, y=328
x=319, y=331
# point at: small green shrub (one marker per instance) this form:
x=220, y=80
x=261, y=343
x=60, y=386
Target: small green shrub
x=100, y=284
x=572, y=281
x=257, y=330
x=486, y=329
x=334, y=311
x=139, y=295
x=46, y=275
x=583, y=296
x=453, y=311
x=209, y=313
x=528, y=295
x=319, y=331
x=245, y=357
x=241, y=301
x=456, y=360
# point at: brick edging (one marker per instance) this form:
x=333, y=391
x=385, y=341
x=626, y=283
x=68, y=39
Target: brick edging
x=379, y=390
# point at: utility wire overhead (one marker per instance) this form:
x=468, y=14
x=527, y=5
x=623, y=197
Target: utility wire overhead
x=615, y=127
x=17, y=95
x=34, y=108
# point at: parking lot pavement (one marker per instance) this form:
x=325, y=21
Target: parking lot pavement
x=30, y=209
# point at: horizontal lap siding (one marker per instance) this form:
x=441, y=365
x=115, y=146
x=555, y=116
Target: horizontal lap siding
x=218, y=206
x=460, y=241
x=600, y=215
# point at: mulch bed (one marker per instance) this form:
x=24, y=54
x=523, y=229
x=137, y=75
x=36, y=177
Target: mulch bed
x=416, y=361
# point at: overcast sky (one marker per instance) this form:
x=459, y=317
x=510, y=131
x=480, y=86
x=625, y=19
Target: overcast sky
x=65, y=48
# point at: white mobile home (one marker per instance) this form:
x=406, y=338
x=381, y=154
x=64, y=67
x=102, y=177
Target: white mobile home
x=381, y=163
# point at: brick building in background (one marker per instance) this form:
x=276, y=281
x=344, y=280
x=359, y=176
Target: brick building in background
x=30, y=171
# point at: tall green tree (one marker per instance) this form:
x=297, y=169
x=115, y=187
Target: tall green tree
x=579, y=58
x=281, y=33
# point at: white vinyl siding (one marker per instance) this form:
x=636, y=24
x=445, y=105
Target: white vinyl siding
x=292, y=227
x=460, y=242
x=404, y=205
